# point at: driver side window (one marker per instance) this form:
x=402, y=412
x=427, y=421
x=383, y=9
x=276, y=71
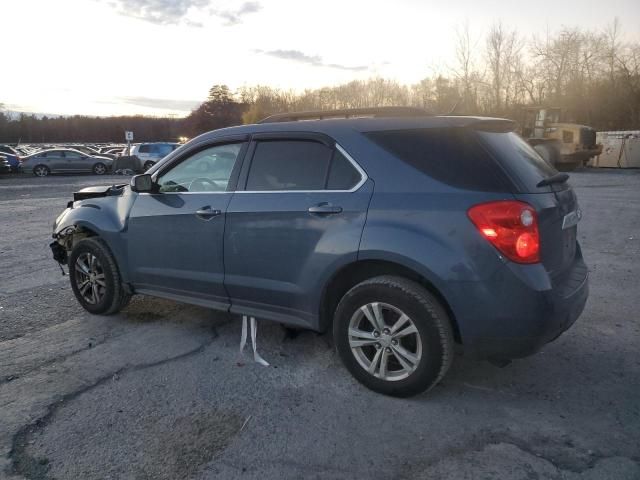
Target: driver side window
x=208, y=170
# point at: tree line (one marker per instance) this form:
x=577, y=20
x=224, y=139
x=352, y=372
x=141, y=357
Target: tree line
x=593, y=76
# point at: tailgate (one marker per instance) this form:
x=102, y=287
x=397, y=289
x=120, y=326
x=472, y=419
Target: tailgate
x=556, y=204
x=558, y=215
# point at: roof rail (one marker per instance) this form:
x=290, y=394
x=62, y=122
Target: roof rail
x=347, y=113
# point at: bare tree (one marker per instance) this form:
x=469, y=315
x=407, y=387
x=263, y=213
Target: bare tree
x=465, y=69
x=503, y=52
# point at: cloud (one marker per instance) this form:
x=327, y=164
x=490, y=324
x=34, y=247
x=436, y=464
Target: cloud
x=234, y=17
x=160, y=12
x=172, y=12
x=313, y=60
x=161, y=103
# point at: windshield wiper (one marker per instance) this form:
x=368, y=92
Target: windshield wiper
x=557, y=178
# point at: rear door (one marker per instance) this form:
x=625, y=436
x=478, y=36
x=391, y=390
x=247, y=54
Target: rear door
x=175, y=236
x=556, y=204
x=297, y=216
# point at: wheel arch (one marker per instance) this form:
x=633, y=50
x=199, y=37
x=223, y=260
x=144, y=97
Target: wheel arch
x=78, y=224
x=353, y=273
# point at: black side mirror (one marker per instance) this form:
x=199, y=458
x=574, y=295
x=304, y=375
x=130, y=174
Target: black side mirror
x=142, y=183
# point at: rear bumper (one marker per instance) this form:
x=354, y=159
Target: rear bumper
x=521, y=311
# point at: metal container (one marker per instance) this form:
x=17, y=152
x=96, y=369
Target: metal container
x=620, y=149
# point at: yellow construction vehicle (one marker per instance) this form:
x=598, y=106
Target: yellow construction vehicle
x=562, y=144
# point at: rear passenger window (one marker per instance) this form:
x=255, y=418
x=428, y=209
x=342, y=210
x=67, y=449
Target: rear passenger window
x=342, y=174
x=144, y=149
x=288, y=165
x=450, y=155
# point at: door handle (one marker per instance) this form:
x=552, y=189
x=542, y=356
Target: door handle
x=325, y=209
x=207, y=213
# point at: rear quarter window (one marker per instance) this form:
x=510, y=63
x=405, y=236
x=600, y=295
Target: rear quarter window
x=449, y=155
x=342, y=174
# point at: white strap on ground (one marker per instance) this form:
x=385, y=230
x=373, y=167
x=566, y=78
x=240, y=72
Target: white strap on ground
x=243, y=340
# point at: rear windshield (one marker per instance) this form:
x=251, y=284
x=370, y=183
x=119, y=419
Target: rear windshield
x=450, y=155
x=519, y=159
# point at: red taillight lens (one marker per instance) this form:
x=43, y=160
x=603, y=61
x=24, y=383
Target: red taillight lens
x=511, y=227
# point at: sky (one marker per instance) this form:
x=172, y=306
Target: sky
x=160, y=57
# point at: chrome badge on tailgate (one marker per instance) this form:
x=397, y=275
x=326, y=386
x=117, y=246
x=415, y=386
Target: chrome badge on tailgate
x=571, y=219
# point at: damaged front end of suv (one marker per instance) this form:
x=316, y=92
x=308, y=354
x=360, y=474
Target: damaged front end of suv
x=93, y=211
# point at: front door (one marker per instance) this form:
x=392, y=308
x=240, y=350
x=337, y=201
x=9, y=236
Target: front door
x=77, y=161
x=175, y=241
x=57, y=161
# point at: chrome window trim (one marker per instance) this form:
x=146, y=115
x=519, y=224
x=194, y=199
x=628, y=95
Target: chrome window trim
x=363, y=178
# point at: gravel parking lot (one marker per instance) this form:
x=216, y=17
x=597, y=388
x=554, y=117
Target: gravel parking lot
x=159, y=391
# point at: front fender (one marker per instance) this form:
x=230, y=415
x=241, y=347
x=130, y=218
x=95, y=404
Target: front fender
x=105, y=217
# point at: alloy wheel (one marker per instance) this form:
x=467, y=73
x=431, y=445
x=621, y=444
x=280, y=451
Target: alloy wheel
x=99, y=169
x=385, y=341
x=90, y=278
x=41, y=171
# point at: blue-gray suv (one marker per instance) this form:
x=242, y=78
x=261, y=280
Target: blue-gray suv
x=405, y=234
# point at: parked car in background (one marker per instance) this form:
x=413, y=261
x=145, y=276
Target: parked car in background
x=12, y=157
x=111, y=149
x=81, y=148
x=150, y=153
x=23, y=150
x=4, y=164
x=61, y=160
x=116, y=151
x=404, y=234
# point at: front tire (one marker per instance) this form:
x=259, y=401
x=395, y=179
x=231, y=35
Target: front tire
x=95, y=278
x=393, y=336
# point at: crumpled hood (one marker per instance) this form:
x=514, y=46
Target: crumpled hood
x=98, y=191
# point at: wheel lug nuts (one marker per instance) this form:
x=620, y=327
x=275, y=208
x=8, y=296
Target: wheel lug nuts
x=378, y=345
x=386, y=331
x=388, y=350
x=376, y=334
x=394, y=342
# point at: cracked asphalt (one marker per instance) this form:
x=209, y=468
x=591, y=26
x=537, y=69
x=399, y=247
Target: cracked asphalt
x=160, y=392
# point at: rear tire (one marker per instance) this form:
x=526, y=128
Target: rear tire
x=99, y=169
x=41, y=171
x=416, y=351
x=95, y=278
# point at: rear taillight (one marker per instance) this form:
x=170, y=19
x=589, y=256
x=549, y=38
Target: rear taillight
x=511, y=227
